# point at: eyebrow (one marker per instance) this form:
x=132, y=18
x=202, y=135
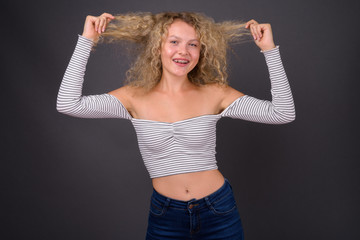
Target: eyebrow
x=180, y=38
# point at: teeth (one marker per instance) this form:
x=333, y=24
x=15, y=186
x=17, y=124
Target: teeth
x=181, y=61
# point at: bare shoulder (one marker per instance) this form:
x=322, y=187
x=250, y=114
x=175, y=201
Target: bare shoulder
x=225, y=94
x=126, y=95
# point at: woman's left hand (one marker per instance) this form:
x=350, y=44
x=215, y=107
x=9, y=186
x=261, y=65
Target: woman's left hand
x=262, y=34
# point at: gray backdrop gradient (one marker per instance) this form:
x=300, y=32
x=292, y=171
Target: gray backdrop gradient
x=71, y=178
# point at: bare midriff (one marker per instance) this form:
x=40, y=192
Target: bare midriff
x=187, y=186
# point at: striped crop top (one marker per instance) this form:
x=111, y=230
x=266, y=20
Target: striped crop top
x=183, y=146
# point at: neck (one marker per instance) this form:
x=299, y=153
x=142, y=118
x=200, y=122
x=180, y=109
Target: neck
x=173, y=84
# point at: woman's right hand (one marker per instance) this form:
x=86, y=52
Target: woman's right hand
x=94, y=26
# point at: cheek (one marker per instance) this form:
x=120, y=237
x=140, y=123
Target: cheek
x=167, y=53
x=196, y=56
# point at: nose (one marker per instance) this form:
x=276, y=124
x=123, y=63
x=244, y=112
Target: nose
x=183, y=49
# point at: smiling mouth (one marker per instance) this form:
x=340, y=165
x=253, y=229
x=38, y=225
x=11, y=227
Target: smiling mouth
x=181, y=61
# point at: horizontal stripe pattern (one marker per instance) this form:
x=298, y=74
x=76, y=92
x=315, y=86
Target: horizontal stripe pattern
x=280, y=110
x=179, y=147
x=183, y=146
x=70, y=100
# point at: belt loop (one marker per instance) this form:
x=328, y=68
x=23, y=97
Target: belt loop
x=207, y=201
x=167, y=202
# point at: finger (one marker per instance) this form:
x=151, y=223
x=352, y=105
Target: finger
x=252, y=21
x=97, y=21
x=259, y=31
x=101, y=24
x=254, y=32
x=107, y=15
x=106, y=23
x=248, y=24
x=251, y=24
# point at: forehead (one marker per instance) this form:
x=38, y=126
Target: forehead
x=182, y=29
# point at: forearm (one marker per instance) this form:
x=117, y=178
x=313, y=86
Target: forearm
x=282, y=104
x=70, y=100
x=278, y=111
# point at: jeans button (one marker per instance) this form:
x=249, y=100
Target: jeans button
x=191, y=206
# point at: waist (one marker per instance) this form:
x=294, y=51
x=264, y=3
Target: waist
x=189, y=185
x=194, y=202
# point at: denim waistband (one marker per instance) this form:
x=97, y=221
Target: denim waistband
x=198, y=203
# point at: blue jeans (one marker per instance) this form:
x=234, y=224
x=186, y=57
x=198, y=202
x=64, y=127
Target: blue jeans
x=212, y=217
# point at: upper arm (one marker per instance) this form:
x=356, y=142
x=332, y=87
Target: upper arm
x=221, y=95
x=229, y=95
x=125, y=96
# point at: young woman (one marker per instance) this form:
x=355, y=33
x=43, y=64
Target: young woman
x=176, y=91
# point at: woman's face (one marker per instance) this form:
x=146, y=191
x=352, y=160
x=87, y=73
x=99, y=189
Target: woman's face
x=180, y=50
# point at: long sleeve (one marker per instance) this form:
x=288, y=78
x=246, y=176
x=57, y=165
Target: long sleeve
x=70, y=100
x=280, y=110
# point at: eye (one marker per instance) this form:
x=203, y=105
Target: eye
x=173, y=42
x=193, y=44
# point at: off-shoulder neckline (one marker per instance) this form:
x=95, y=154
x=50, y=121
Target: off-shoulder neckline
x=179, y=121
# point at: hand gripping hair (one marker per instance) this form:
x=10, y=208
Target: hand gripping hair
x=147, y=30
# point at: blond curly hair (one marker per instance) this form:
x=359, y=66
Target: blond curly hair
x=148, y=30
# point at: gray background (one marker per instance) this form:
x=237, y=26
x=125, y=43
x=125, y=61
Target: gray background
x=69, y=178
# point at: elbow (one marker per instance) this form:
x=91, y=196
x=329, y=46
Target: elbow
x=288, y=118
x=291, y=119
x=284, y=117
x=60, y=108
x=60, y=103
x=67, y=105
x=292, y=115
x=64, y=107
x=71, y=107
